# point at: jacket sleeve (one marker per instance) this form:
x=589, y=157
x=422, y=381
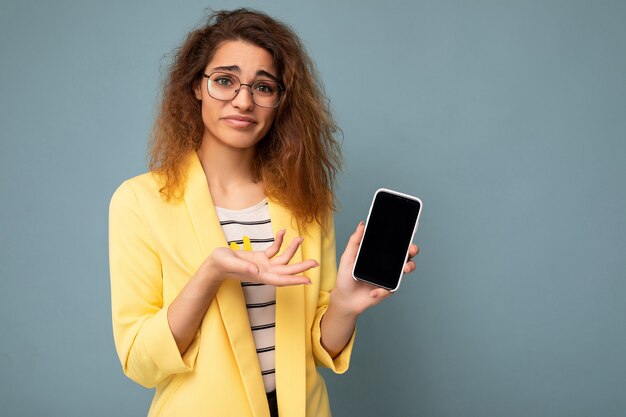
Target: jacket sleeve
x=143, y=339
x=328, y=272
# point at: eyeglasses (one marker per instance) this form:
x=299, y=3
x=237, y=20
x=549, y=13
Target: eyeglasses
x=224, y=86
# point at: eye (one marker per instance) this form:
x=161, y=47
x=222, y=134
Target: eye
x=265, y=87
x=223, y=80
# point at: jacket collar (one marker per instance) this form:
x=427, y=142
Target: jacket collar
x=290, y=314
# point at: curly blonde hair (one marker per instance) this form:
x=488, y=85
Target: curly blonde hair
x=298, y=158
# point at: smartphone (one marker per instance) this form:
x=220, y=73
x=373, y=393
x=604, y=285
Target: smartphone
x=389, y=230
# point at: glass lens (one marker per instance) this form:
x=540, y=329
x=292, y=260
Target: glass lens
x=225, y=86
x=266, y=93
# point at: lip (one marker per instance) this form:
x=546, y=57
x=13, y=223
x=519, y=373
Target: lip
x=236, y=120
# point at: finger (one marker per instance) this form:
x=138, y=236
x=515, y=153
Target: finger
x=413, y=250
x=409, y=267
x=380, y=294
x=278, y=242
x=353, y=243
x=279, y=280
x=289, y=252
x=296, y=268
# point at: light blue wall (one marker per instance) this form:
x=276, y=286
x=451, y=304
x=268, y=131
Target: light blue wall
x=507, y=118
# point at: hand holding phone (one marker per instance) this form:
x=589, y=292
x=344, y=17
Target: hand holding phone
x=391, y=224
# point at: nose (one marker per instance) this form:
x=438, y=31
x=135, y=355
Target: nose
x=243, y=100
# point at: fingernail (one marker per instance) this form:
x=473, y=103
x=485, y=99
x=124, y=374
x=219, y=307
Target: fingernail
x=309, y=283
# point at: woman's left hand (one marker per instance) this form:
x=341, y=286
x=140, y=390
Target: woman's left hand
x=357, y=296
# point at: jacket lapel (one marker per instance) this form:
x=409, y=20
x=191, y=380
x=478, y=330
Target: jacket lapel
x=290, y=327
x=229, y=297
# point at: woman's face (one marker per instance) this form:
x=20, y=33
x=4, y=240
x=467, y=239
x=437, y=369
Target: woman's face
x=237, y=123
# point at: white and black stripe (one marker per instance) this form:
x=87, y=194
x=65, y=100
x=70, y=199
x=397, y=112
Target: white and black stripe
x=251, y=284
x=255, y=223
x=263, y=326
x=261, y=305
x=266, y=349
x=253, y=241
x=251, y=223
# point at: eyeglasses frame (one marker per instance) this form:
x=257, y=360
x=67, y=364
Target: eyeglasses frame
x=280, y=88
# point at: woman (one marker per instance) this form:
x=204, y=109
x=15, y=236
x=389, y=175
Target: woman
x=208, y=304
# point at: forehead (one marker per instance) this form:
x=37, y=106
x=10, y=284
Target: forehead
x=247, y=57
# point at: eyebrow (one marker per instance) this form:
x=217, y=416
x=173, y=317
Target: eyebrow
x=236, y=68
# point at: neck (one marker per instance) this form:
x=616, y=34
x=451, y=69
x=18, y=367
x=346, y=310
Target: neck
x=229, y=175
x=225, y=166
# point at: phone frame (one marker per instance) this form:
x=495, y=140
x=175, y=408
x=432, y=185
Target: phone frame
x=417, y=220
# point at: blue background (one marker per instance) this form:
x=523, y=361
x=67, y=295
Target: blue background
x=508, y=119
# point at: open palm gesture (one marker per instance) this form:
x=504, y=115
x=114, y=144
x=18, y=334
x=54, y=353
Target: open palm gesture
x=265, y=266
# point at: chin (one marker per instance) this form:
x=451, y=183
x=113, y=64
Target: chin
x=244, y=139
x=243, y=143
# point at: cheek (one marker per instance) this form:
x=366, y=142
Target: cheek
x=208, y=114
x=265, y=128
x=269, y=121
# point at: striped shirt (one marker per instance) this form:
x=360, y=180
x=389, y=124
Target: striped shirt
x=253, y=225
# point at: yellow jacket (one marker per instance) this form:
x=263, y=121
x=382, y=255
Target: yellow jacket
x=154, y=248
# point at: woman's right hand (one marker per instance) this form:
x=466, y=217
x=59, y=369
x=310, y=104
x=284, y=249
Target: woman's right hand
x=260, y=266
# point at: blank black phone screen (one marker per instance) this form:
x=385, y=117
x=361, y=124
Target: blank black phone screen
x=387, y=237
